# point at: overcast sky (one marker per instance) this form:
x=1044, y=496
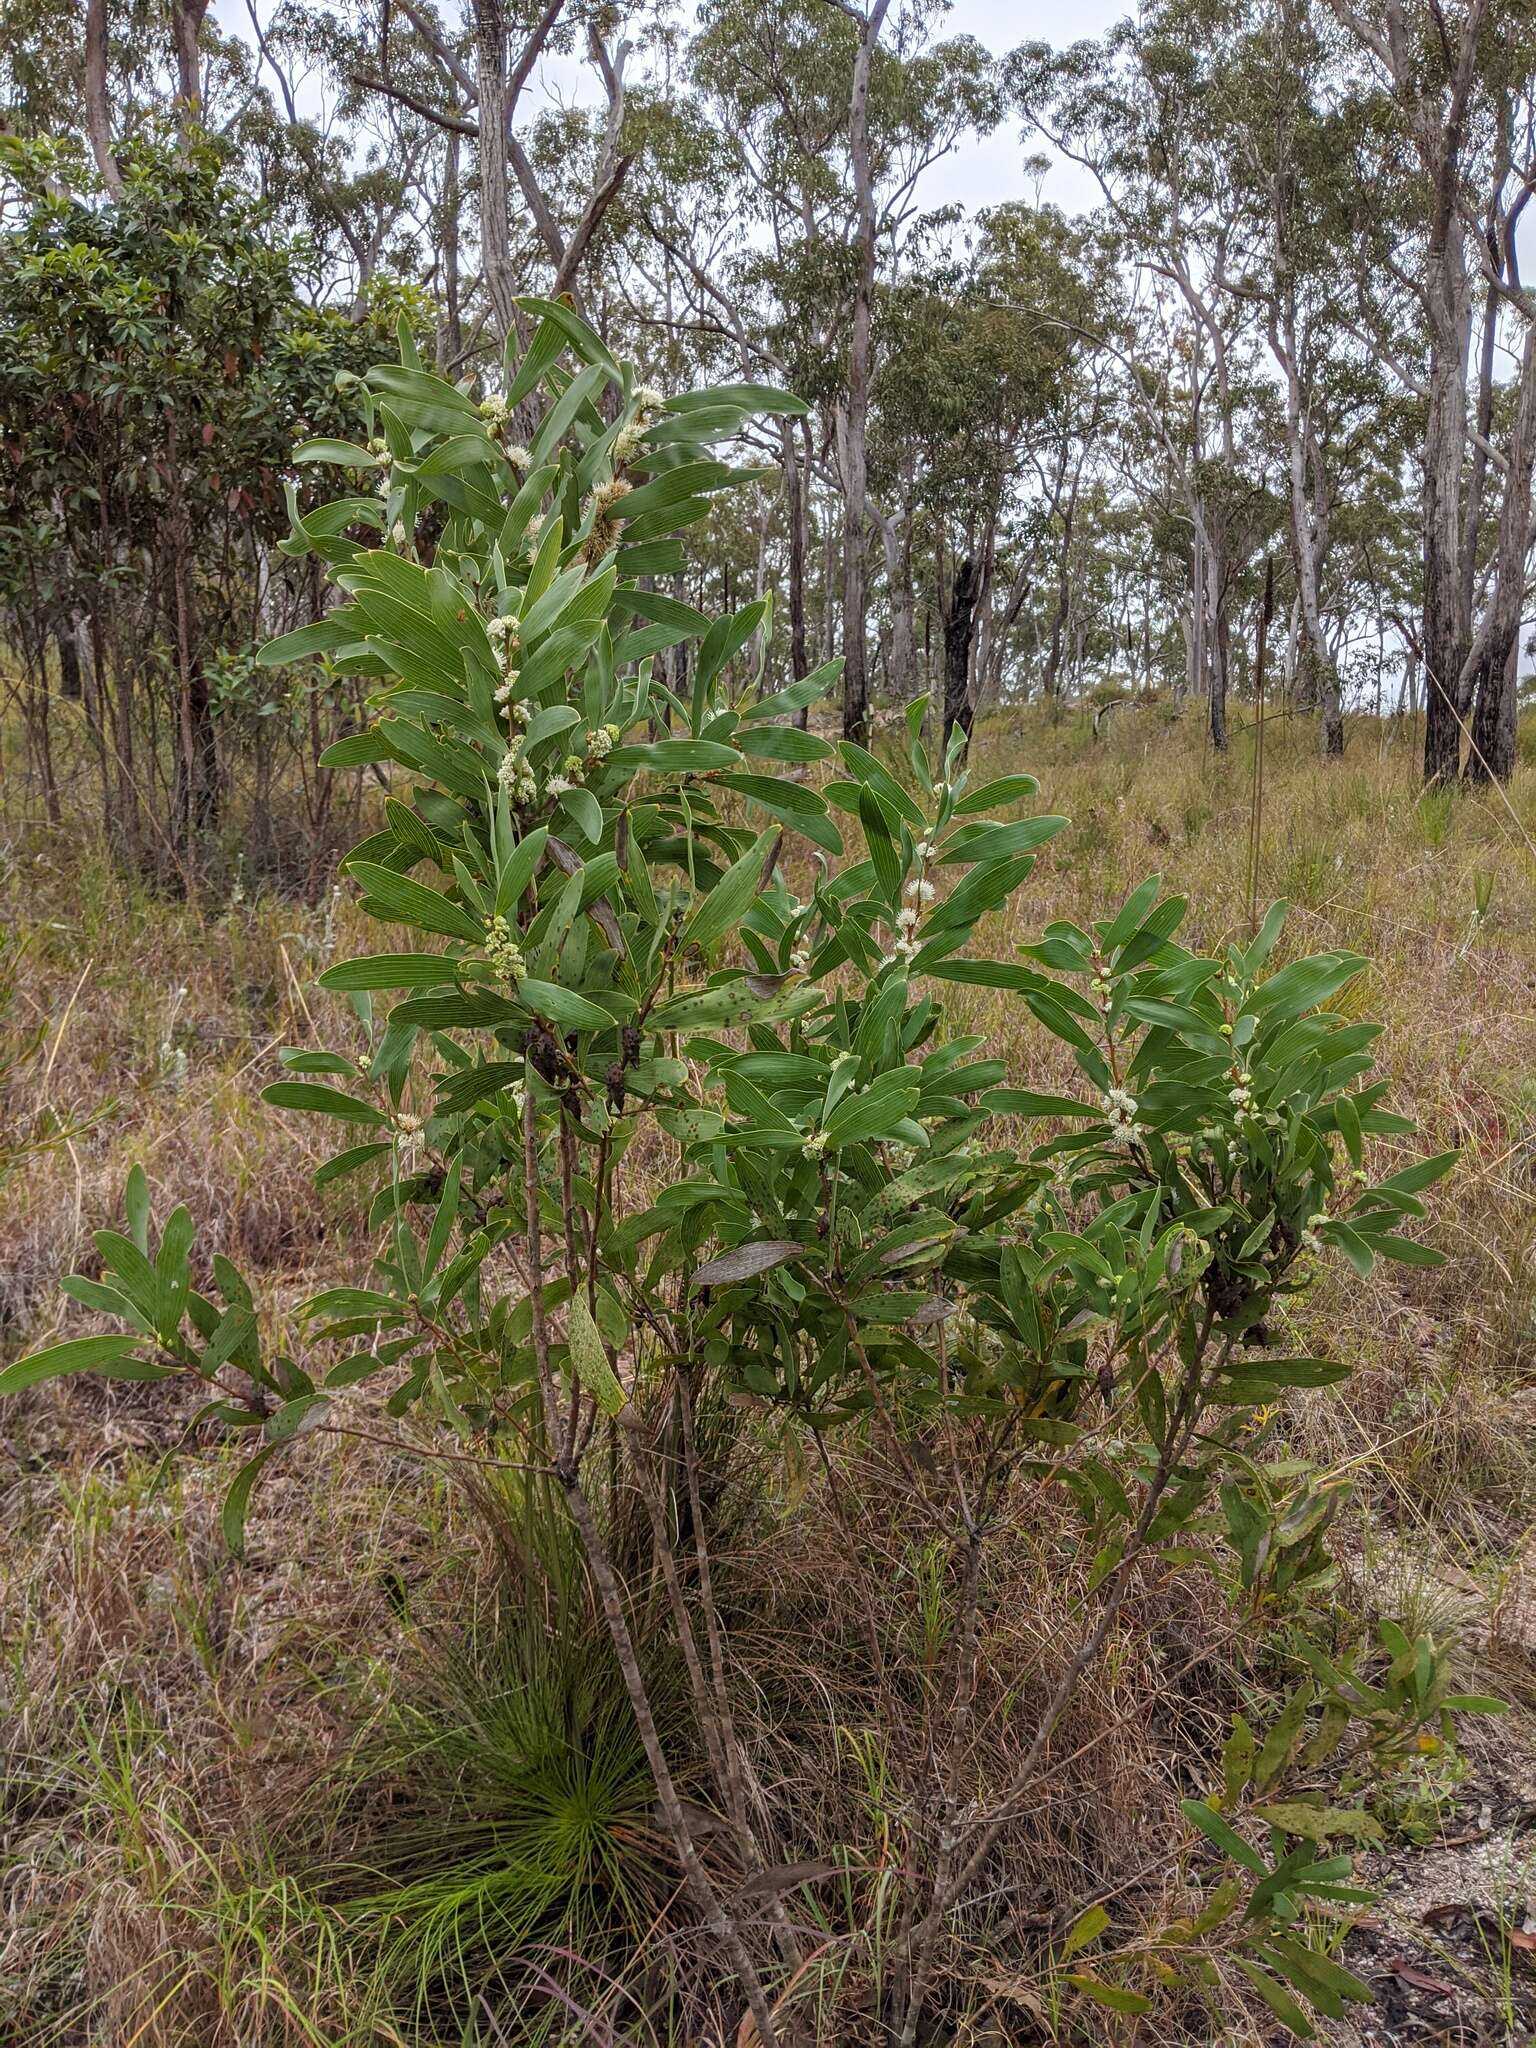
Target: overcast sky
x=982, y=171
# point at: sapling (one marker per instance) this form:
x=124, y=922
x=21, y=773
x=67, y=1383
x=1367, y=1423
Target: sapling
x=669, y=1108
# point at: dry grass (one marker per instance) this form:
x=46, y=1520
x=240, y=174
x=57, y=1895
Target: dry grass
x=179, y=1728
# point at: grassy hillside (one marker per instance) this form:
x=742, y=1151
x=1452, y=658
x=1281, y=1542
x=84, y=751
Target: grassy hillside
x=290, y=1799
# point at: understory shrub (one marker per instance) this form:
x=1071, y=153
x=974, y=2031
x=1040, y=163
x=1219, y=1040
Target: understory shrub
x=669, y=1147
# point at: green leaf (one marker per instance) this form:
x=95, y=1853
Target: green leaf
x=357, y=750
x=782, y=743
x=77, y=1354
x=1277, y=1998
x=882, y=848
x=1311, y=1971
x=1112, y=1995
x=574, y=331
x=307, y=641
x=976, y=843
x=347, y=1162
x=390, y=970
x=563, y=1006
x=238, y=1500
x=865, y=769
x=675, y=757
x=728, y=902
x=1223, y=1837
x=1305, y=984
x=1087, y=1928
x=325, y=1101
x=136, y=1207
x=411, y=903
x=743, y=397
x=1319, y=1823
x=589, y=1358
x=583, y=807
x=345, y=452
x=1026, y=1102
x=1414, y=1179
x=1007, y=789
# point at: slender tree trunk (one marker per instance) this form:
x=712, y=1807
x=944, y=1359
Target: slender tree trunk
x=794, y=496
x=98, y=119
x=495, y=251
x=1494, y=685
x=1003, y=625
x=1219, y=650
x=896, y=538
x=1316, y=677
x=1051, y=681
x=856, y=415
x=959, y=625
x=450, y=332
x=186, y=26
x=66, y=638
x=1447, y=633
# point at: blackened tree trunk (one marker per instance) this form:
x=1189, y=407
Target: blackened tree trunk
x=1494, y=712
x=959, y=626
x=65, y=639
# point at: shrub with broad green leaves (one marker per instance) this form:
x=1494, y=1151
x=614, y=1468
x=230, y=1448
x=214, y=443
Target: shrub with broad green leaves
x=660, y=1104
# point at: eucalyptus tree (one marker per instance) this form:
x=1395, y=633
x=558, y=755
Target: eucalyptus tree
x=987, y=379
x=1293, y=153
x=837, y=114
x=477, y=72
x=1451, y=88
x=1143, y=112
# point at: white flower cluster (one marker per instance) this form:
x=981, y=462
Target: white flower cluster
x=519, y=458
x=923, y=891
x=379, y=450
x=493, y=411
x=813, y=1146
x=1240, y=1095
x=516, y=777
x=407, y=1125
x=1310, y=1241
x=601, y=741
x=1120, y=1109
x=502, y=950
x=502, y=633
